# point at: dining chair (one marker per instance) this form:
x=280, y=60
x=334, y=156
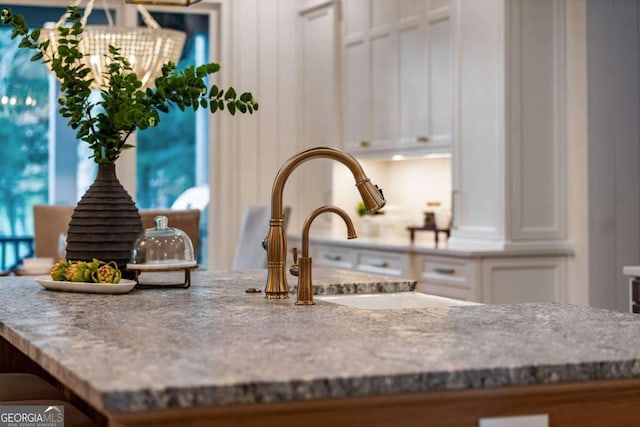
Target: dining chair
x=254, y=228
x=50, y=222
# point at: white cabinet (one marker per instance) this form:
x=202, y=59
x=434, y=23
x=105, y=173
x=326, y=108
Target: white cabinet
x=356, y=87
x=397, y=92
x=370, y=261
x=522, y=279
x=487, y=277
x=369, y=74
x=509, y=163
x=492, y=279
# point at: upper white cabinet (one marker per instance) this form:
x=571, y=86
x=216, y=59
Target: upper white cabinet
x=509, y=163
x=356, y=75
x=396, y=76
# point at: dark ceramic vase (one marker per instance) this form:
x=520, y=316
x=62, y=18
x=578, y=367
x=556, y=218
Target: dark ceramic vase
x=105, y=223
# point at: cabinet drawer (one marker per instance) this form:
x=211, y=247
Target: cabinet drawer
x=388, y=263
x=447, y=277
x=453, y=271
x=327, y=256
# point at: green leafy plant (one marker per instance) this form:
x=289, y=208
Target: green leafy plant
x=123, y=107
x=361, y=209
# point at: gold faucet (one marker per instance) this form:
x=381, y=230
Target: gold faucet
x=372, y=197
x=305, y=283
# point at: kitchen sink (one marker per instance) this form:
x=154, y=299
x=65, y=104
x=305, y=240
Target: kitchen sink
x=391, y=301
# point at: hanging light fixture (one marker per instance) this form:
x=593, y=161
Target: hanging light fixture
x=147, y=48
x=163, y=2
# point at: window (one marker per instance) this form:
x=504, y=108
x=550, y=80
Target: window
x=41, y=161
x=172, y=158
x=27, y=118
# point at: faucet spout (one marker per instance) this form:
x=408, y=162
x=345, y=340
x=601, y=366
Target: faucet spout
x=351, y=231
x=371, y=195
x=305, y=281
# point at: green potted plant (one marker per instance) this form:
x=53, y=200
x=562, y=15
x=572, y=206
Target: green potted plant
x=106, y=221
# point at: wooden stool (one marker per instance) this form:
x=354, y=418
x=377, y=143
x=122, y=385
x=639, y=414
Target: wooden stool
x=14, y=387
x=72, y=415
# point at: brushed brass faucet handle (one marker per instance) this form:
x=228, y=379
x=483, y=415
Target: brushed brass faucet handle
x=295, y=268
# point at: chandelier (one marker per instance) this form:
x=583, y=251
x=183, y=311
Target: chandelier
x=147, y=48
x=163, y=2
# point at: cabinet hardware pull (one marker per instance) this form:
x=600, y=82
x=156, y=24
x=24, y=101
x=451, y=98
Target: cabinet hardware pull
x=382, y=264
x=333, y=257
x=441, y=270
x=422, y=139
x=365, y=144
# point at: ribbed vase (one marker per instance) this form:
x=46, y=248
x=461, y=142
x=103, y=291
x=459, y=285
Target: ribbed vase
x=105, y=223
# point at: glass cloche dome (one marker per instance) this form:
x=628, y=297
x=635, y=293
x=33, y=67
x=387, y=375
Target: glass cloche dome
x=162, y=248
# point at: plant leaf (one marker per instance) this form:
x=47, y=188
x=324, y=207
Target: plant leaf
x=231, y=94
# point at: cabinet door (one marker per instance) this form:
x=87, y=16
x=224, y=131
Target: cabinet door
x=397, y=96
x=356, y=119
x=384, y=91
x=519, y=280
x=369, y=75
x=356, y=129
x=316, y=39
x=425, y=85
x=440, y=82
x=412, y=74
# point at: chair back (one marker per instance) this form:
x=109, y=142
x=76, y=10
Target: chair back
x=50, y=222
x=254, y=228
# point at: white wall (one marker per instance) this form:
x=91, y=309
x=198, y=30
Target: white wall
x=407, y=185
x=577, y=146
x=259, y=53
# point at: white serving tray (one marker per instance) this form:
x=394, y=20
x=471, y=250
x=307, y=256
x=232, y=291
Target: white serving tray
x=93, y=288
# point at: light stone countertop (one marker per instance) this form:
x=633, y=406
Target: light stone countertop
x=213, y=344
x=402, y=244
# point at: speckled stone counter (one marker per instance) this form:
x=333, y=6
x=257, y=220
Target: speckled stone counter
x=214, y=344
x=404, y=245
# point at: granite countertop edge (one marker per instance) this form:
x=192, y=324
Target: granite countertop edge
x=328, y=387
x=370, y=386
